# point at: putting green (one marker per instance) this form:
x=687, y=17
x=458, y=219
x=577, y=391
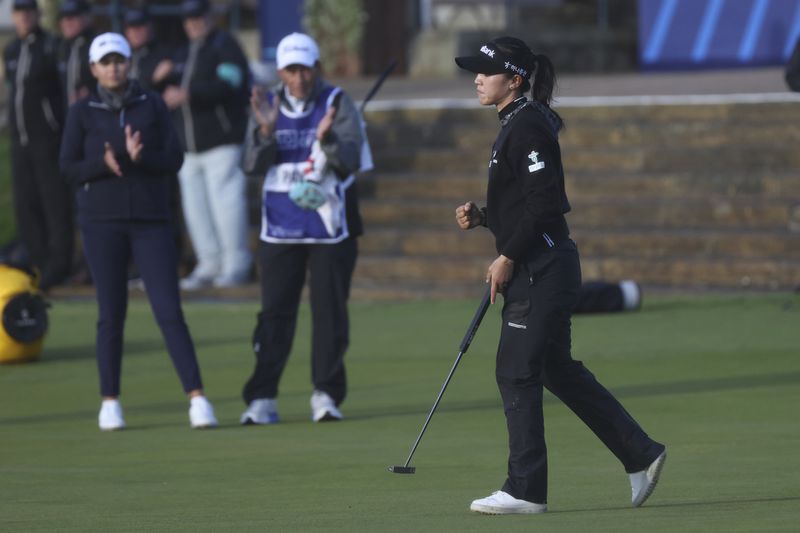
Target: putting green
x=717, y=378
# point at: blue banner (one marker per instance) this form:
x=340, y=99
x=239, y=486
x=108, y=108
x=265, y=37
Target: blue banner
x=681, y=34
x=276, y=19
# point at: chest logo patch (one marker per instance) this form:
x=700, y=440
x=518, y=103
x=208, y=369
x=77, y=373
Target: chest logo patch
x=537, y=165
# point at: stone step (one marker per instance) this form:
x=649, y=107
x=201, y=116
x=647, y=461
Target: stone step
x=479, y=135
x=592, y=243
x=594, y=185
x=778, y=157
x=642, y=213
x=698, y=273
x=677, y=134
x=396, y=273
x=430, y=123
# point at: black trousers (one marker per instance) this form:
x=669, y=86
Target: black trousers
x=283, y=273
x=109, y=247
x=43, y=206
x=534, y=352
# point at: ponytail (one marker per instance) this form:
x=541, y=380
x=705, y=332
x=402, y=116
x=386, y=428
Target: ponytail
x=544, y=81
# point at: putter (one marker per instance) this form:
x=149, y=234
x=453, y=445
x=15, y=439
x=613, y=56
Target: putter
x=473, y=327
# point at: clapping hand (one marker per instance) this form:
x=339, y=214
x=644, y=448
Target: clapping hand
x=133, y=143
x=134, y=146
x=324, y=126
x=110, y=160
x=265, y=116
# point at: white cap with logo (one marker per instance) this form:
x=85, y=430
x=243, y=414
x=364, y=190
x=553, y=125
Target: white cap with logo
x=297, y=49
x=108, y=43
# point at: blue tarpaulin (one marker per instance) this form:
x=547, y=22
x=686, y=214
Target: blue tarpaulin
x=679, y=34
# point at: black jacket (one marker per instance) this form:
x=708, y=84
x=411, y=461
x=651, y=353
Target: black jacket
x=217, y=79
x=75, y=73
x=144, y=62
x=526, y=200
x=36, y=107
x=142, y=192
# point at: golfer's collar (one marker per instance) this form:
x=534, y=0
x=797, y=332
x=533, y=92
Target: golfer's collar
x=508, y=112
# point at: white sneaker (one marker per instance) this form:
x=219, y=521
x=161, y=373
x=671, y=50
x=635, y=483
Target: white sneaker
x=201, y=414
x=631, y=295
x=228, y=281
x=261, y=411
x=196, y=281
x=504, y=503
x=323, y=408
x=110, y=417
x=643, y=483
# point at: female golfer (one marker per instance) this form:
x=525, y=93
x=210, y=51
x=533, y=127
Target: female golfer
x=538, y=272
x=119, y=150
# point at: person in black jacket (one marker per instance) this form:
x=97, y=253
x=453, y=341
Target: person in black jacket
x=147, y=53
x=74, y=20
x=120, y=150
x=208, y=89
x=36, y=117
x=538, y=272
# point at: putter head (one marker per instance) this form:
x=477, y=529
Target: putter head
x=402, y=469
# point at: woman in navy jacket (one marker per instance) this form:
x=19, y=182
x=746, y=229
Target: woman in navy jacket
x=119, y=151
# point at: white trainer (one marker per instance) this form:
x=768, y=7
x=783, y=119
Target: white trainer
x=261, y=411
x=196, y=281
x=323, y=408
x=201, y=414
x=504, y=503
x=110, y=417
x=631, y=295
x=643, y=483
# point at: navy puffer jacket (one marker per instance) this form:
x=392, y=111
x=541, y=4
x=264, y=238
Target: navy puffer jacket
x=142, y=192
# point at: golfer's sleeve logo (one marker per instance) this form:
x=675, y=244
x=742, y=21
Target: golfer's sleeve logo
x=537, y=165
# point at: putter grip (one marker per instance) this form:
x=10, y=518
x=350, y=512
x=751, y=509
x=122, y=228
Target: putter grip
x=476, y=320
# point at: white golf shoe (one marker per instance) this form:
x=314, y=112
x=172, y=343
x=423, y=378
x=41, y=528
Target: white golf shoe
x=503, y=503
x=323, y=408
x=201, y=414
x=644, y=482
x=261, y=411
x=110, y=417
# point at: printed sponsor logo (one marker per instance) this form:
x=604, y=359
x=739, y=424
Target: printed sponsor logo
x=294, y=139
x=537, y=165
x=488, y=51
x=518, y=70
x=517, y=326
x=493, y=161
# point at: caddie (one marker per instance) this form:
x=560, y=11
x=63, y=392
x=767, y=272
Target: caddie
x=306, y=138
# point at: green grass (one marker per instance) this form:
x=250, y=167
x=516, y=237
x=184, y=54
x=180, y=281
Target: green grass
x=717, y=378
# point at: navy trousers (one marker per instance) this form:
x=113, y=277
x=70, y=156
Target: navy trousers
x=283, y=273
x=535, y=352
x=109, y=246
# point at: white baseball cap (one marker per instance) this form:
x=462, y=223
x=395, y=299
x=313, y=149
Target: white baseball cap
x=108, y=43
x=297, y=49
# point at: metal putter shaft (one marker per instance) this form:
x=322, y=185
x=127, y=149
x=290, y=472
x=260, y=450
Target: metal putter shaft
x=473, y=327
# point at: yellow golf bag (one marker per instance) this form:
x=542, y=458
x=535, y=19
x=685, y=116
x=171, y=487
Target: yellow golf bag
x=24, y=316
